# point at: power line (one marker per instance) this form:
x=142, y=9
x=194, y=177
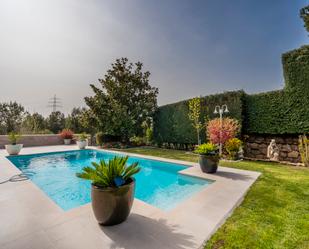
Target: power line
x=54, y=103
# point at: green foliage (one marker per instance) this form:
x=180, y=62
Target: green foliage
x=82, y=136
x=284, y=111
x=303, y=147
x=304, y=14
x=149, y=135
x=11, y=116
x=138, y=141
x=55, y=122
x=206, y=149
x=33, y=124
x=194, y=115
x=99, y=138
x=104, y=174
x=14, y=137
x=74, y=121
x=276, y=112
x=232, y=146
x=147, y=126
x=172, y=123
x=124, y=100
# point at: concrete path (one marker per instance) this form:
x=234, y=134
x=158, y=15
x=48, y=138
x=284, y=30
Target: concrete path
x=30, y=220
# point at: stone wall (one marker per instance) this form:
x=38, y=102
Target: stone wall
x=256, y=147
x=34, y=140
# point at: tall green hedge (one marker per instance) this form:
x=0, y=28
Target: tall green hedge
x=172, y=125
x=284, y=111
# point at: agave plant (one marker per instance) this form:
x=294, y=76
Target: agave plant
x=113, y=173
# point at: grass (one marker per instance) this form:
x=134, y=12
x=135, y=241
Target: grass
x=275, y=212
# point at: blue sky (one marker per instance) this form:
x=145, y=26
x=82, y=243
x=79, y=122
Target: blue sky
x=191, y=48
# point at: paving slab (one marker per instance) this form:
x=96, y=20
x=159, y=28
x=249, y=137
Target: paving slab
x=29, y=219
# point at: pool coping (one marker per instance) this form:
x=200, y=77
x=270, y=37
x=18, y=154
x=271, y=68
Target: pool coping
x=170, y=163
x=197, y=218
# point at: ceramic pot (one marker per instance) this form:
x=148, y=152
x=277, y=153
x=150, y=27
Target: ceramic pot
x=13, y=149
x=67, y=141
x=112, y=206
x=82, y=144
x=209, y=163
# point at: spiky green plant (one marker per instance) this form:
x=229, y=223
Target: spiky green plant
x=113, y=173
x=14, y=137
x=206, y=149
x=304, y=149
x=82, y=137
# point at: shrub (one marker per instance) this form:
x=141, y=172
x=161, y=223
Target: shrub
x=99, y=138
x=232, y=146
x=229, y=129
x=304, y=149
x=149, y=135
x=137, y=141
x=206, y=149
x=66, y=134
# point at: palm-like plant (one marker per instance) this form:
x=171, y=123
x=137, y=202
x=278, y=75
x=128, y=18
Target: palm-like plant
x=14, y=137
x=113, y=173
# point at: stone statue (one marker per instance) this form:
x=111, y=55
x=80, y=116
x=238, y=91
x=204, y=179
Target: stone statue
x=241, y=153
x=273, y=151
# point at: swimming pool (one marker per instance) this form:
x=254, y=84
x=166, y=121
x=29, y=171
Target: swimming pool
x=158, y=183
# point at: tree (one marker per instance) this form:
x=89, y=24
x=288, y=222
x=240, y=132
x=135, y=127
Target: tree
x=194, y=116
x=11, y=116
x=304, y=14
x=33, y=123
x=74, y=120
x=124, y=100
x=55, y=122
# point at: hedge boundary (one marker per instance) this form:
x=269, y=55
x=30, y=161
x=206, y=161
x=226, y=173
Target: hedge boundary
x=278, y=112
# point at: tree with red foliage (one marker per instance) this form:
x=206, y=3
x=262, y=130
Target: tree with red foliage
x=229, y=129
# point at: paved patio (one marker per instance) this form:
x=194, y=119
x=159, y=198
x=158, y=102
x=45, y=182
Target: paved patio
x=30, y=220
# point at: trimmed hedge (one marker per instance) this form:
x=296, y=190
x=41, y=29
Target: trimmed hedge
x=172, y=125
x=285, y=111
x=278, y=112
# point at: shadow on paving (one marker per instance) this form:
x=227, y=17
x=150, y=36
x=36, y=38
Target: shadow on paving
x=143, y=232
x=234, y=176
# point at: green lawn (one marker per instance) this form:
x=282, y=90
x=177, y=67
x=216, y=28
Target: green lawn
x=275, y=212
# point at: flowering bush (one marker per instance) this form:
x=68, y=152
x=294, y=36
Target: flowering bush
x=230, y=128
x=66, y=134
x=232, y=147
x=206, y=149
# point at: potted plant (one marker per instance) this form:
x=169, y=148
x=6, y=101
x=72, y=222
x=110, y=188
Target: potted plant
x=112, y=189
x=13, y=148
x=208, y=157
x=233, y=146
x=82, y=140
x=67, y=136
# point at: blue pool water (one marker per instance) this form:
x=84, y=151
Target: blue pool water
x=158, y=183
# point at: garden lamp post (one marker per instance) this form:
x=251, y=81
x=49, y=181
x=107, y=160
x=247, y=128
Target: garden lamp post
x=220, y=110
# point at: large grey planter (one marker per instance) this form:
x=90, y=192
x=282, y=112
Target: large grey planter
x=112, y=206
x=209, y=163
